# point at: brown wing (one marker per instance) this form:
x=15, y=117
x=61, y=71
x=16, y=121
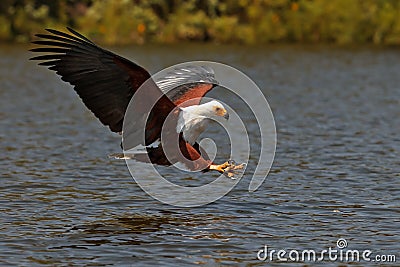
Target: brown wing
x=189, y=94
x=105, y=81
x=186, y=85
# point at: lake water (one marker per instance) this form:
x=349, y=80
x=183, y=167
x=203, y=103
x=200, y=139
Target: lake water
x=335, y=174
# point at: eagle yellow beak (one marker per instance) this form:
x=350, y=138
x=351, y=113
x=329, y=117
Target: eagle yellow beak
x=226, y=115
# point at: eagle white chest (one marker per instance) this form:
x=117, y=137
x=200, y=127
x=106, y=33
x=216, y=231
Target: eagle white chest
x=191, y=124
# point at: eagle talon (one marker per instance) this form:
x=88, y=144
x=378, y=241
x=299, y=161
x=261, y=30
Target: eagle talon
x=229, y=168
x=231, y=162
x=221, y=167
x=234, y=170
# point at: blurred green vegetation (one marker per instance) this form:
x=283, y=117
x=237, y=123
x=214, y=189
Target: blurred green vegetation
x=222, y=21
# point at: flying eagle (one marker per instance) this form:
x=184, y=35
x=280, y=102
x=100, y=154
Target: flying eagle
x=107, y=82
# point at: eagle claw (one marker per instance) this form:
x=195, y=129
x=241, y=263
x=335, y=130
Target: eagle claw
x=232, y=170
x=231, y=162
x=229, y=168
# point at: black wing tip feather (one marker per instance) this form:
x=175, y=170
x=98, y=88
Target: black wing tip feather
x=49, y=49
x=77, y=34
x=43, y=57
x=104, y=81
x=62, y=37
x=58, y=43
x=56, y=32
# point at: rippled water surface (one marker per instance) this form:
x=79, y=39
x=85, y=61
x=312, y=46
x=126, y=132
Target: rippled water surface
x=335, y=174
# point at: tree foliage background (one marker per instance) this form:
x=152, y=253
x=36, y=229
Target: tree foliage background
x=223, y=21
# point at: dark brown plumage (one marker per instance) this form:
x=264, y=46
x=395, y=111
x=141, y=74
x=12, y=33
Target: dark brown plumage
x=104, y=81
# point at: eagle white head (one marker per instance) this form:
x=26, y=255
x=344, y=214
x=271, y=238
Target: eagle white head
x=193, y=120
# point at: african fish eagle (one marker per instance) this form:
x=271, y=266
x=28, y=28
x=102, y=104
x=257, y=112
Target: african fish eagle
x=106, y=83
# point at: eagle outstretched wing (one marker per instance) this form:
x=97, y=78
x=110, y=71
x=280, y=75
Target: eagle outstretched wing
x=104, y=81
